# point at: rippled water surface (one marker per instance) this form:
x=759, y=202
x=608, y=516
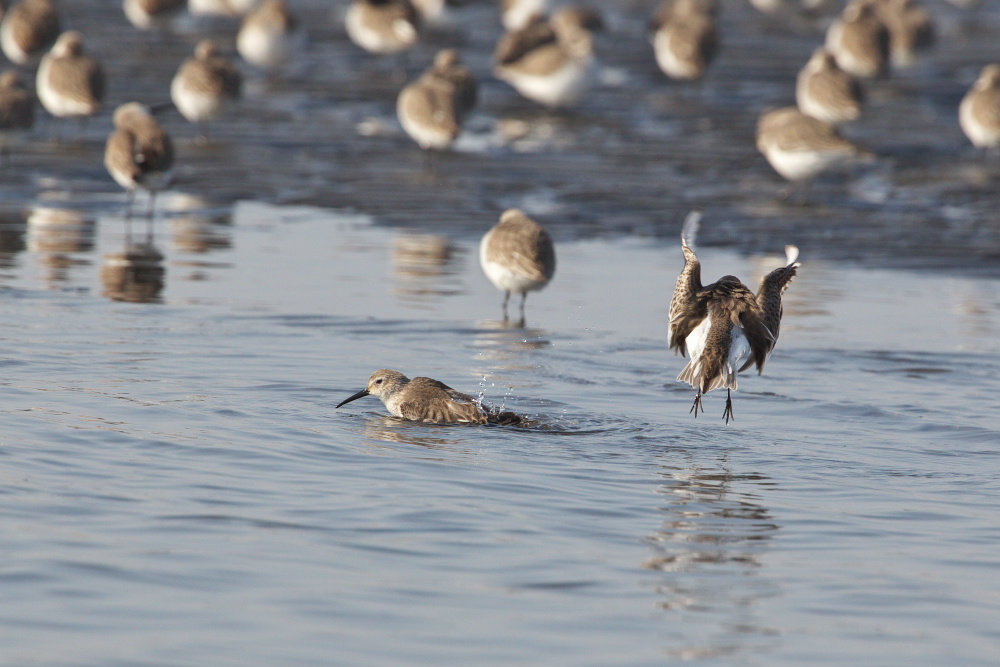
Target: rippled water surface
x=177, y=487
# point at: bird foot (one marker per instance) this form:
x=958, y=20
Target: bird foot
x=728, y=413
x=697, y=405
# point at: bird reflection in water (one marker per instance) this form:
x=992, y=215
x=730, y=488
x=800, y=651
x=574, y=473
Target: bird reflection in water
x=382, y=431
x=134, y=274
x=55, y=235
x=710, y=551
x=201, y=233
x=424, y=267
x=13, y=225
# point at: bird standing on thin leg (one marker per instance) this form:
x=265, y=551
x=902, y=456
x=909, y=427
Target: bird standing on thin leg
x=723, y=328
x=139, y=153
x=517, y=255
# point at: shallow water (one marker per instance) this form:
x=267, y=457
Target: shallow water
x=179, y=488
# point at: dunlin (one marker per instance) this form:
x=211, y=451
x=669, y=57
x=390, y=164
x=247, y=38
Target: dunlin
x=70, y=83
x=17, y=108
x=382, y=26
x=910, y=27
x=139, y=153
x=426, y=400
x=549, y=62
x=859, y=40
x=685, y=39
x=517, y=256
x=516, y=14
x=432, y=108
x=826, y=92
x=267, y=36
x=979, y=112
x=206, y=85
x=151, y=14
x=800, y=147
x=28, y=30
x=724, y=328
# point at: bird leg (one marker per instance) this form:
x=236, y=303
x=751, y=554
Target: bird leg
x=506, y=300
x=697, y=405
x=524, y=297
x=728, y=413
x=130, y=199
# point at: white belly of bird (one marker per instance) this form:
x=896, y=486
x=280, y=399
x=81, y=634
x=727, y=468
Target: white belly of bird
x=980, y=135
x=403, y=35
x=10, y=47
x=263, y=47
x=426, y=134
x=196, y=107
x=798, y=165
x=667, y=59
x=564, y=86
x=57, y=103
x=739, y=352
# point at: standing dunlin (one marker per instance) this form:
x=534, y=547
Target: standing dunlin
x=800, y=147
x=432, y=108
x=139, y=153
x=550, y=62
x=267, y=36
x=17, y=109
x=979, y=113
x=70, y=84
x=206, y=85
x=723, y=328
x=382, y=26
x=685, y=39
x=426, y=400
x=859, y=40
x=28, y=29
x=152, y=14
x=517, y=256
x=910, y=27
x=826, y=92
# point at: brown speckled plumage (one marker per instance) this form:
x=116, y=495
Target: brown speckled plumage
x=826, y=92
x=742, y=328
x=29, y=28
x=70, y=83
x=139, y=147
x=859, y=40
x=427, y=400
x=433, y=108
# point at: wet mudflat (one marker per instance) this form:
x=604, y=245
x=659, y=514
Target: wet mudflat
x=178, y=488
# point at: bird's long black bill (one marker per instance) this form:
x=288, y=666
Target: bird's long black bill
x=360, y=394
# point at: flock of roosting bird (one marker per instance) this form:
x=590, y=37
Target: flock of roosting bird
x=548, y=56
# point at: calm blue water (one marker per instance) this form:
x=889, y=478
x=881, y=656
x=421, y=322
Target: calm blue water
x=178, y=488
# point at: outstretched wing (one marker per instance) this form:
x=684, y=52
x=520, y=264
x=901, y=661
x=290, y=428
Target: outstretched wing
x=769, y=304
x=686, y=309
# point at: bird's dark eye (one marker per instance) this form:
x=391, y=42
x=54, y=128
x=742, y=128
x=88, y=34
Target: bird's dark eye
x=378, y=381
